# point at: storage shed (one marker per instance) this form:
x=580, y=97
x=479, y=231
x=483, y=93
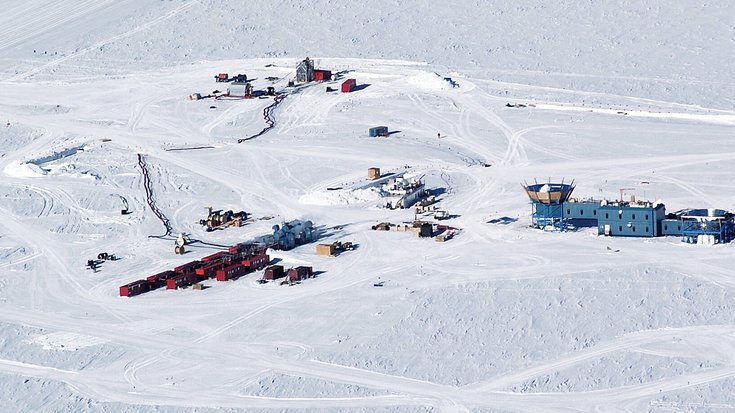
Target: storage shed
x=349, y=85
x=325, y=249
x=426, y=230
x=181, y=280
x=378, y=131
x=299, y=273
x=373, y=173
x=274, y=272
x=321, y=74
x=134, y=288
x=230, y=272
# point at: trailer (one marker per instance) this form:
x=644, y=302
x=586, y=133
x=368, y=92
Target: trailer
x=159, y=280
x=181, y=280
x=299, y=273
x=134, y=288
x=217, y=257
x=274, y=272
x=232, y=271
x=256, y=262
x=188, y=267
x=209, y=270
x=322, y=75
x=378, y=131
x=349, y=85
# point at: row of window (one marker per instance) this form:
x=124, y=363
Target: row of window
x=607, y=215
x=620, y=229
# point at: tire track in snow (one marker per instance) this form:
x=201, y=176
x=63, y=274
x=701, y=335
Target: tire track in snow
x=104, y=42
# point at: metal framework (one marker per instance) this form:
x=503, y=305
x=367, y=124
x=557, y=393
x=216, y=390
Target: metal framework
x=547, y=209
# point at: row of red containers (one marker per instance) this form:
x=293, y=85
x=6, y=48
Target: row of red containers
x=222, y=265
x=275, y=272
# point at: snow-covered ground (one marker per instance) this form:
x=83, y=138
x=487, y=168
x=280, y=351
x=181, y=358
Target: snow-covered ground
x=502, y=318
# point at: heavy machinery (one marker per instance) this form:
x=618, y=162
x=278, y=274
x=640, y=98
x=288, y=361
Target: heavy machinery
x=222, y=219
x=181, y=240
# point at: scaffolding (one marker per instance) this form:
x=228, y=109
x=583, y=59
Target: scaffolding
x=547, y=209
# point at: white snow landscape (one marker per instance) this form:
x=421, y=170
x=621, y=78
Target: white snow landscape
x=500, y=318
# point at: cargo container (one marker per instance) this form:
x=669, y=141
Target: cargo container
x=373, y=173
x=209, y=270
x=325, y=249
x=256, y=262
x=299, y=273
x=349, y=85
x=232, y=271
x=378, y=131
x=181, y=280
x=220, y=256
x=134, y=288
x=188, y=267
x=320, y=74
x=159, y=280
x=273, y=272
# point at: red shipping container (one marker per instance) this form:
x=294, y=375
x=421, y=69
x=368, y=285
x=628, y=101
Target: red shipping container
x=230, y=272
x=349, y=85
x=299, y=273
x=256, y=261
x=134, y=288
x=181, y=280
x=159, y=280
x=274, y=272
x=210, y=270
x=220, y=256
x=320, y=74
x=188, y=267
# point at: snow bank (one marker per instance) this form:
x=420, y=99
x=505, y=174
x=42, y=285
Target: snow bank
x=19, y=169
x=342, y=197
x=428, y=81
x=66, y=341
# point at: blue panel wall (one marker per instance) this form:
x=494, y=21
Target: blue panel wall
x=630, y=221
x=671, y=227
x=581, y=214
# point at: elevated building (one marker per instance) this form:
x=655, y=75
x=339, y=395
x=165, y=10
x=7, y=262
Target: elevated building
x=552, y=207
x=547, y=204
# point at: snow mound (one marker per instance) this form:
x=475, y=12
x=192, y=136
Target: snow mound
x=66, y=341
x=428, y=81
x=19, y=169
x=342, y=197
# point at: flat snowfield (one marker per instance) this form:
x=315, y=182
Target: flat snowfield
x=499, y=318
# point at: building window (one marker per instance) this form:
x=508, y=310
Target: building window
x=569, y=212
x=633, y=228
x=633, y=216
x=606, y=216
x=646, y=230
x=666, y=227
x=581, y=212
x=620, y=228
x=646, y=216
x=620, y=215
x=594, y=212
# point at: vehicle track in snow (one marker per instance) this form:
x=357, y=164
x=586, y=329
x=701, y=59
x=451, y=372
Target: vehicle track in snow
x=150, y=199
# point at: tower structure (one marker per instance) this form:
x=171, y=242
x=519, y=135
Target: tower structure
x=547, y=199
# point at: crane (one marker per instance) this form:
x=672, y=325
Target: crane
x=622, y=192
